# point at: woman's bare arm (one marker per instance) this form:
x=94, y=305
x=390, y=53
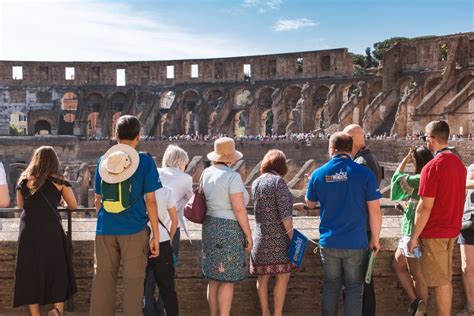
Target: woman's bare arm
x=19, y=199
x=69, y=198
x=238, y=205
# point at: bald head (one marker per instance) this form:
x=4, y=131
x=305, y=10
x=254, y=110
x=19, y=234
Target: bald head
x=358, y=136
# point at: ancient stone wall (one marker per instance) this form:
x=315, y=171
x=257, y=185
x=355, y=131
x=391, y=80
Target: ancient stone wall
x=254, y=95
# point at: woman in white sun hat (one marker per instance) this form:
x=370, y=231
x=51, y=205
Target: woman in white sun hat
x=226, y=234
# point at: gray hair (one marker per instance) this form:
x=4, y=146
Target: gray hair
x=173, y=156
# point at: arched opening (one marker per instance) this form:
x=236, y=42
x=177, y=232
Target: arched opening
x=190, y=101
x=94, y=103
x=348, y=91
x=92, y=119
x=430, y=85
x=69, y=103
x=241, y=98
x=18, y=124
x=118, y=102
x=266, y=123
x=291, y=94
x=167, y=100
x=319, y=98
x=264, y=107
x=214, y=104
x=407, y=86
x=239, y=123
x=42, y=127
x=162, y=123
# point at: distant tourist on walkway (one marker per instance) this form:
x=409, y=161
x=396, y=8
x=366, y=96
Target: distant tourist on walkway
x=123, y=178
x=160, y=270
x=44, y=273
x=466, y=241
x=362, y=155
x=405, y=265
x=439, y=214
x=4, y=194
x=226, y=234
x=344, y=190
x=273, y=228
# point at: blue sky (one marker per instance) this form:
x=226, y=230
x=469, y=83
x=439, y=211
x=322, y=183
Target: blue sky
x=165, y=29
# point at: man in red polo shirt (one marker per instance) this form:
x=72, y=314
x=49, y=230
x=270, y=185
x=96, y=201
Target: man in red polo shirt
x=439, y=214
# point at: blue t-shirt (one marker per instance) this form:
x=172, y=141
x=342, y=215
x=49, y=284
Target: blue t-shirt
x=343, y=188
x=133, y=219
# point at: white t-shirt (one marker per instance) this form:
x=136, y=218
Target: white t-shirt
x=181, y=185
x=164, y=200
x=3, y=176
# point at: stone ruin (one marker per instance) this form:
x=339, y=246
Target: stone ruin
x=419, y=80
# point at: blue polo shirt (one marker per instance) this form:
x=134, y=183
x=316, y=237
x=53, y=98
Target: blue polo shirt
x=343, y=188
x=133, y=219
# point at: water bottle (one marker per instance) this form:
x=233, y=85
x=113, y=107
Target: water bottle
x=417, y=253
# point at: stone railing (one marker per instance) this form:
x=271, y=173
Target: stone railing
x=304, y=289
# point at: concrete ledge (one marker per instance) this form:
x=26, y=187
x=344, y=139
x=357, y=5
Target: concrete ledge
x=304, y=289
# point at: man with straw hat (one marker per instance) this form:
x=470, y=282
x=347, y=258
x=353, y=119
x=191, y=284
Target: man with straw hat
x=125, y=184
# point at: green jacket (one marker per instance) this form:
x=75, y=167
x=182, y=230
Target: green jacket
x=405, y=187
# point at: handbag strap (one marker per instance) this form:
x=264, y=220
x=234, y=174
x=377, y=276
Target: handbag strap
x=161, y=223
x=53, y=209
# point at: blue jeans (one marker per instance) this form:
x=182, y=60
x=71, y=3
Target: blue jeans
x=343, y=267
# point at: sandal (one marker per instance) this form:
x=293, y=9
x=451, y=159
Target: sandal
x=54, y=312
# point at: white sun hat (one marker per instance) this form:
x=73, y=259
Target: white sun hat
x=119, y=163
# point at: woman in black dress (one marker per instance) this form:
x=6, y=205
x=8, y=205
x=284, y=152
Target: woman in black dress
x=44, y=272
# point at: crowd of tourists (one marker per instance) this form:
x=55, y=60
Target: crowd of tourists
x=140, y=218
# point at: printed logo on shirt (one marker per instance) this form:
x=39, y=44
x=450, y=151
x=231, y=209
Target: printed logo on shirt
x=337, y=177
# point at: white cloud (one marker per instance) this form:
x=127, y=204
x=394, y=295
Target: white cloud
x=263, y=5
x=288, y=25
x=91, y=30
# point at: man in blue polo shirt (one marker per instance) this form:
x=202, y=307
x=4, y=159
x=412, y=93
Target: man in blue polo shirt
x=344, y=189
x=122, y=235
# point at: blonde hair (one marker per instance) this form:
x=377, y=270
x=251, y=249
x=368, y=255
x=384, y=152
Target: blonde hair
x=173, y=156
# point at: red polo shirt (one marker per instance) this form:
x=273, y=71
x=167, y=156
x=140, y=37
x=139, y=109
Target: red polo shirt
x=444, y=179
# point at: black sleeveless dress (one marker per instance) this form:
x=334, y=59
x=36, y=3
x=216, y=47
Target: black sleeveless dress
x=44, y=273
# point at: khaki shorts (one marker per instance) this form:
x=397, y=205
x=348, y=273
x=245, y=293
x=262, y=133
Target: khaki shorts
x=436, y=263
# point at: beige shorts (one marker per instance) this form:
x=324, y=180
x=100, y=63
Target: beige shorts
x=436, y=263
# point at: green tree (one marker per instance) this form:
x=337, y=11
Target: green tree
x=359, y=60
x=359, y=70
x=369, y=60
x=14, y=130
x=382, y=47
x=443, y=53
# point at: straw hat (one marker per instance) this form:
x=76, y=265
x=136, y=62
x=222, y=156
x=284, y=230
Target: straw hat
x=119, y=163
x=224, y=151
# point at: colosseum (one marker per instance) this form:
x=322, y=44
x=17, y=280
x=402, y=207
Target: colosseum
x=418, y=80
